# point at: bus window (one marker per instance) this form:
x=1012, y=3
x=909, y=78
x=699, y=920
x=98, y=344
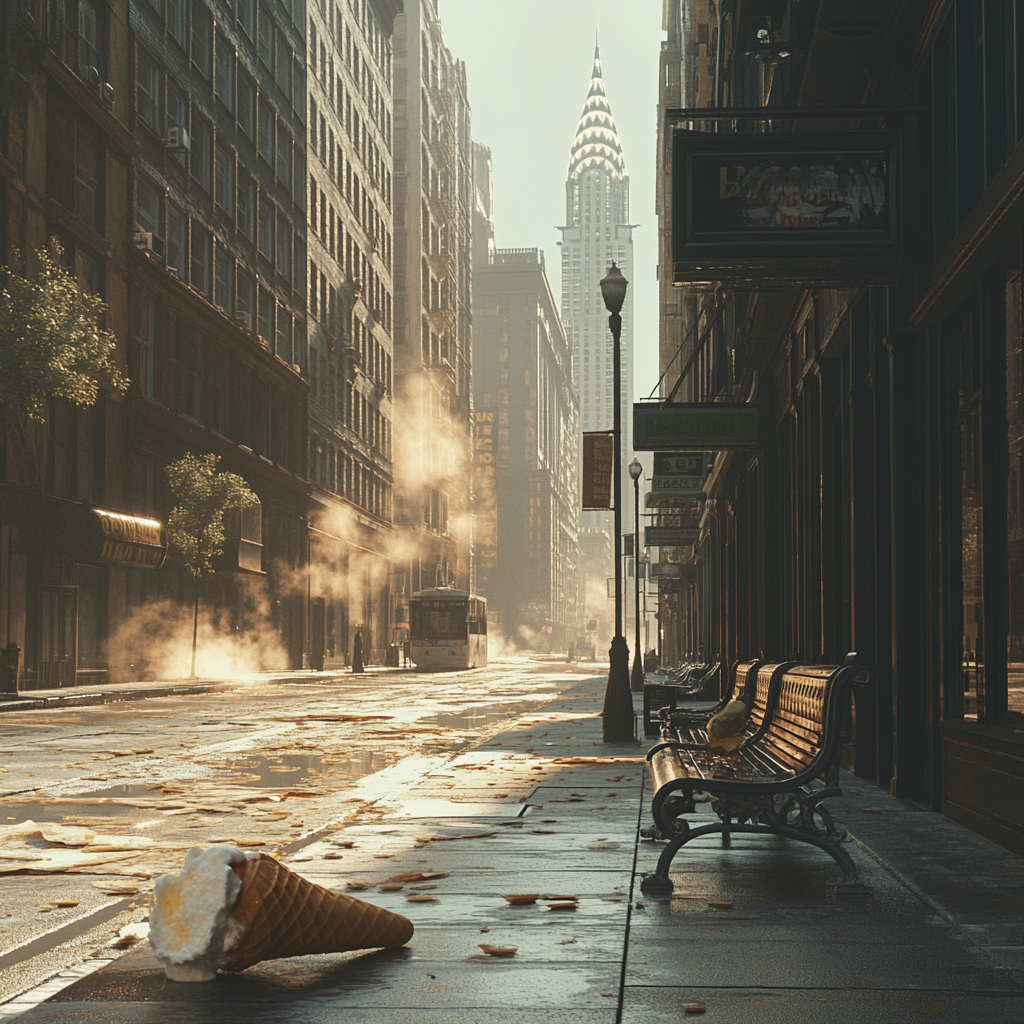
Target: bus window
x=438, y=620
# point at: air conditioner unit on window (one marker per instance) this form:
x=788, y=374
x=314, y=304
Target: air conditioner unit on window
x=87, y=73
x=149, y=242
x=106, y=91
x=178, y=141
x=243, y=320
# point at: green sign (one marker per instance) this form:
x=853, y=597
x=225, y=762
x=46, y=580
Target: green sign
x=695, y=427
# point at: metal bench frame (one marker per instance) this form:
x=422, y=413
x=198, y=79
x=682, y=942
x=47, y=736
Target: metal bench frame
x=785, y=800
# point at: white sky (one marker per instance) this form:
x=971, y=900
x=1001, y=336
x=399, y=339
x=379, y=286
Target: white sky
x=528, y=68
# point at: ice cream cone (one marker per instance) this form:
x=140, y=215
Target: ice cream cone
x=281, y=914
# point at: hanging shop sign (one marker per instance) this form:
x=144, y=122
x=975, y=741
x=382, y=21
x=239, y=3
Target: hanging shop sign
x=668, y=536
x=662, y=569
x=677, y=464
x=670, y=586
x=821, y=208
x=598, y=463
x=104, y=537
x=684, y=485
x=712, y=426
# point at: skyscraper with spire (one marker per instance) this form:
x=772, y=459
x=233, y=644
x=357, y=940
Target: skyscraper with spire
x=597, y=233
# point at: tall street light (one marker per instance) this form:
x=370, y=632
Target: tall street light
x=636, y=677
x=618, y=724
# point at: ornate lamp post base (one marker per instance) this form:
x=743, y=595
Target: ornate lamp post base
x=619, y=720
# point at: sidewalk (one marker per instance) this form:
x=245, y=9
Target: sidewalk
x=113, y=693
x=940, y=939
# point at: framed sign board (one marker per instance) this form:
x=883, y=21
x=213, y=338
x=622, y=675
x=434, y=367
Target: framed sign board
x=823, y=208
x=695, y=427
x=598, y=468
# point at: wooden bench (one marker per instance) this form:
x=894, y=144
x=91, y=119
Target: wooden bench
x=687, y=722
x=776, y=782
x=692, y=683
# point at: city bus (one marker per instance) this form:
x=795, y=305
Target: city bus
x=447, y=629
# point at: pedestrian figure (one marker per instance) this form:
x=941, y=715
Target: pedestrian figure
x=357, y=651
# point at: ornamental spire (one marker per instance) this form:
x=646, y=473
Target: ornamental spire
x=597, y=139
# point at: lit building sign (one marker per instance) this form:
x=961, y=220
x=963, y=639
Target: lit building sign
x=746, y=206
x=115, y=538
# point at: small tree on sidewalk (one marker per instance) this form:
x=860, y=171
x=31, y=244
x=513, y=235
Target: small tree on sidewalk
x=196, y=524
x=51, y=346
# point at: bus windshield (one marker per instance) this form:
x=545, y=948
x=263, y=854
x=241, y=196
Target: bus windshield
x=438, y=620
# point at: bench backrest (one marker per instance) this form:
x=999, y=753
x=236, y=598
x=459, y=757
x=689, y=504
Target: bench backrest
x=764, y=685
x=804, y=720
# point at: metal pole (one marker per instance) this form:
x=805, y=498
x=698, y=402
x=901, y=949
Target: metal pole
x=636, y=679
x=618, y=721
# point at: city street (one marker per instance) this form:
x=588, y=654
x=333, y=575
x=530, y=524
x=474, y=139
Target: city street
x=262, y=765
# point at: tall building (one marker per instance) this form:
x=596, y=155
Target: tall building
x=433, y=315
x=596, y=234
x=351, y=316
x=526, y=411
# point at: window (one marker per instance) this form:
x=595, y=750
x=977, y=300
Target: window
x=266, y=313
x=189, y=382
x=177, y=240
x=266, y=129
x=74, y=166
x=177, y=114
x=284, y=247
x=219, y=392
x=202, y=39
x=284, y=336
x=247, y=17
x=265, y=39
x=246, y=210
x=265, y=234
x=283, y=73
x=224, y=178
x=202, y=259
x=247, y=105
x=177, y=20
x=225, y=80
x=147, y=91
x=284, y=159
x=223, y=282
x=148, y=206
x=245, y=293
x=144, y=344
x=202, y=152
x=299, y=345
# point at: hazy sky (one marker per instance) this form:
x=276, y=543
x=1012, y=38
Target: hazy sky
x=528, y=66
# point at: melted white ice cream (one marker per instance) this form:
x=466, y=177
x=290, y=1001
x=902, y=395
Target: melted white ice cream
x=189, y=928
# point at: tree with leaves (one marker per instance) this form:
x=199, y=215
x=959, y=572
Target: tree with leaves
x=51, y=344
x=196, y=524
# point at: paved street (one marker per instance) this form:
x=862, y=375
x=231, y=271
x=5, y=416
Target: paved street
x=497, y=782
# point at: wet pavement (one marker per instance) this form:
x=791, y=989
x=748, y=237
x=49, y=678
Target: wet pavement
x=533, y=804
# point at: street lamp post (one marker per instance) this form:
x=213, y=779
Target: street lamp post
x=618, y=723
x=636, y=678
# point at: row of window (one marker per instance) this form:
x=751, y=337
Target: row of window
x=176, y=364
x=191, y=26
x=346, y=405
x=323, y=219
x=335, y=471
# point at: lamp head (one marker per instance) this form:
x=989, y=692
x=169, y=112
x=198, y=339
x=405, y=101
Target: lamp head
x=613, y=289
x=635, y=469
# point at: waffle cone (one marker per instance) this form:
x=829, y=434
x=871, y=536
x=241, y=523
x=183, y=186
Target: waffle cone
x=284, y=914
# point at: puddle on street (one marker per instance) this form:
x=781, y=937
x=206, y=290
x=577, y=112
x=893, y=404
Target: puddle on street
x=479, y=718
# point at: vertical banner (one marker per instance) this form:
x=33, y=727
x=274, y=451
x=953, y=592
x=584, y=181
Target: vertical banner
x=598, y=461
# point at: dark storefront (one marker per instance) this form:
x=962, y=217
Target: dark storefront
x=882, y=510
